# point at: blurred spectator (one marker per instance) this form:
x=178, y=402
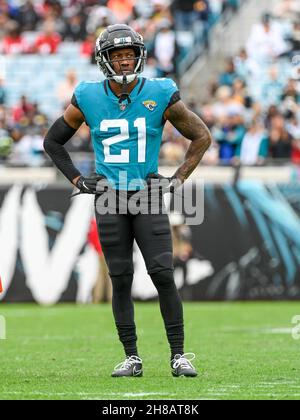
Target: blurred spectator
x=88, y=47
x=266, y=41
x=293, y=128
x=66, y=88
x=208, y=116
x=245, y=66
x=211, y=157
x=52, y=9
x=224, y=104
x=161, y=10
x=272, y=89
x=48, y=41
x=290, y=98
x=2, y=92
x=143, y=9
x=229, y=134
x=5, y=24
x=240, y=94
x=229, y=75
x=173, y=147
x=172, y=153
x=273, y=111
x=280, y=140
x=291, y=92
x=253, y=149
x=202, y=9
x=28, y=18
x=14, y=42
x=28, y=150
x=184, y=13
x=23, y=109
x=165, y=49
x=99, y=17
x=294, y=38
x=75, y=29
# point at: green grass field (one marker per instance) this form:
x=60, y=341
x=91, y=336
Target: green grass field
x=244, y=351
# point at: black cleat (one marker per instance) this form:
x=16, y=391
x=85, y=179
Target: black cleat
x=132, y=366
x=181, y=365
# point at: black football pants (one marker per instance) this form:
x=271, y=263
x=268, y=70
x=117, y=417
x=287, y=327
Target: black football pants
x=153, y=236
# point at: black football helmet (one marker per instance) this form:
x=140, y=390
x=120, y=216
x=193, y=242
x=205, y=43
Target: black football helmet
x=116, y=37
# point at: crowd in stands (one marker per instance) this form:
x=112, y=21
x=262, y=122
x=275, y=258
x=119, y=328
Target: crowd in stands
x=42, y=27
x=254, y=107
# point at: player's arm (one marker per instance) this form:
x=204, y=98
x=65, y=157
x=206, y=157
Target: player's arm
x=192, y=128
x=58, y=135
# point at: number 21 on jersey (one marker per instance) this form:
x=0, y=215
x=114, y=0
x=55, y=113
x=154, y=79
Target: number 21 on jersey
x=123, y=125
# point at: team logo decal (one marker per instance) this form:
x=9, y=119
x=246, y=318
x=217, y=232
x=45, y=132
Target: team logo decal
x=123, y=41
x=151, y=105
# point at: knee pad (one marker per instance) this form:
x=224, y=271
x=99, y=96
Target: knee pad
x=122, y=284
x=119, y=267
x=161, y=262
x=163, y=280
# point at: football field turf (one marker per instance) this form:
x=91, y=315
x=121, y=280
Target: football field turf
x=244, y=351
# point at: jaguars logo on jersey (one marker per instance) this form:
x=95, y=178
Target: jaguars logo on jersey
x=150, y=105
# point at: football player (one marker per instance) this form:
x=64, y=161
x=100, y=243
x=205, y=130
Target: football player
x=126, y=114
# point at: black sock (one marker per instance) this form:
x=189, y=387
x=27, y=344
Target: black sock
x=128, y=338
x=171, y=309
x=123, y=311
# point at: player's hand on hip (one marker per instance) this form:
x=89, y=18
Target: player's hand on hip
x=94, y=184
x=167, y=184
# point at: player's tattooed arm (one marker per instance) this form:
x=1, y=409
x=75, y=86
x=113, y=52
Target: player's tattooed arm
x=194, y=129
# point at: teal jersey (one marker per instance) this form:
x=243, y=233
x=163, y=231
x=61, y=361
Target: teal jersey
x=126, y=139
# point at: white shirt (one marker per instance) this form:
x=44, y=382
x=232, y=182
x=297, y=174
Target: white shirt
x=264, y=45
x=165, y=48
x=250, y=148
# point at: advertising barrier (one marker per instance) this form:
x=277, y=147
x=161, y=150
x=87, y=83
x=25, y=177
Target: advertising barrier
x=247, y=248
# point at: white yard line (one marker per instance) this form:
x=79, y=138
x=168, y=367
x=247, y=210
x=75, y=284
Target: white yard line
x=266, y=330
x=87, y=394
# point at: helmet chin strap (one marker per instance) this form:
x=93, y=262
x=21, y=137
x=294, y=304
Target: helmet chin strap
x=124, y=94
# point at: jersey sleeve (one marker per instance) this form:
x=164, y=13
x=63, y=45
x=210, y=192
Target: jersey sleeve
x=77, y=98
x=171, y=92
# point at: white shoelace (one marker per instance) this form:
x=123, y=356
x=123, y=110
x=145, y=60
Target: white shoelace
x=184, y=361
x=128, y=362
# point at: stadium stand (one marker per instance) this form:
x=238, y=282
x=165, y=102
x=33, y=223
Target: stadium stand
x=41, y=42
x=253, y=108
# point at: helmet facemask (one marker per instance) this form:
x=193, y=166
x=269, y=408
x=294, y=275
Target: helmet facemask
x=117, y=77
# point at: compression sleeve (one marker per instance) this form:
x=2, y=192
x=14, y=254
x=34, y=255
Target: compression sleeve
x=58, y=135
